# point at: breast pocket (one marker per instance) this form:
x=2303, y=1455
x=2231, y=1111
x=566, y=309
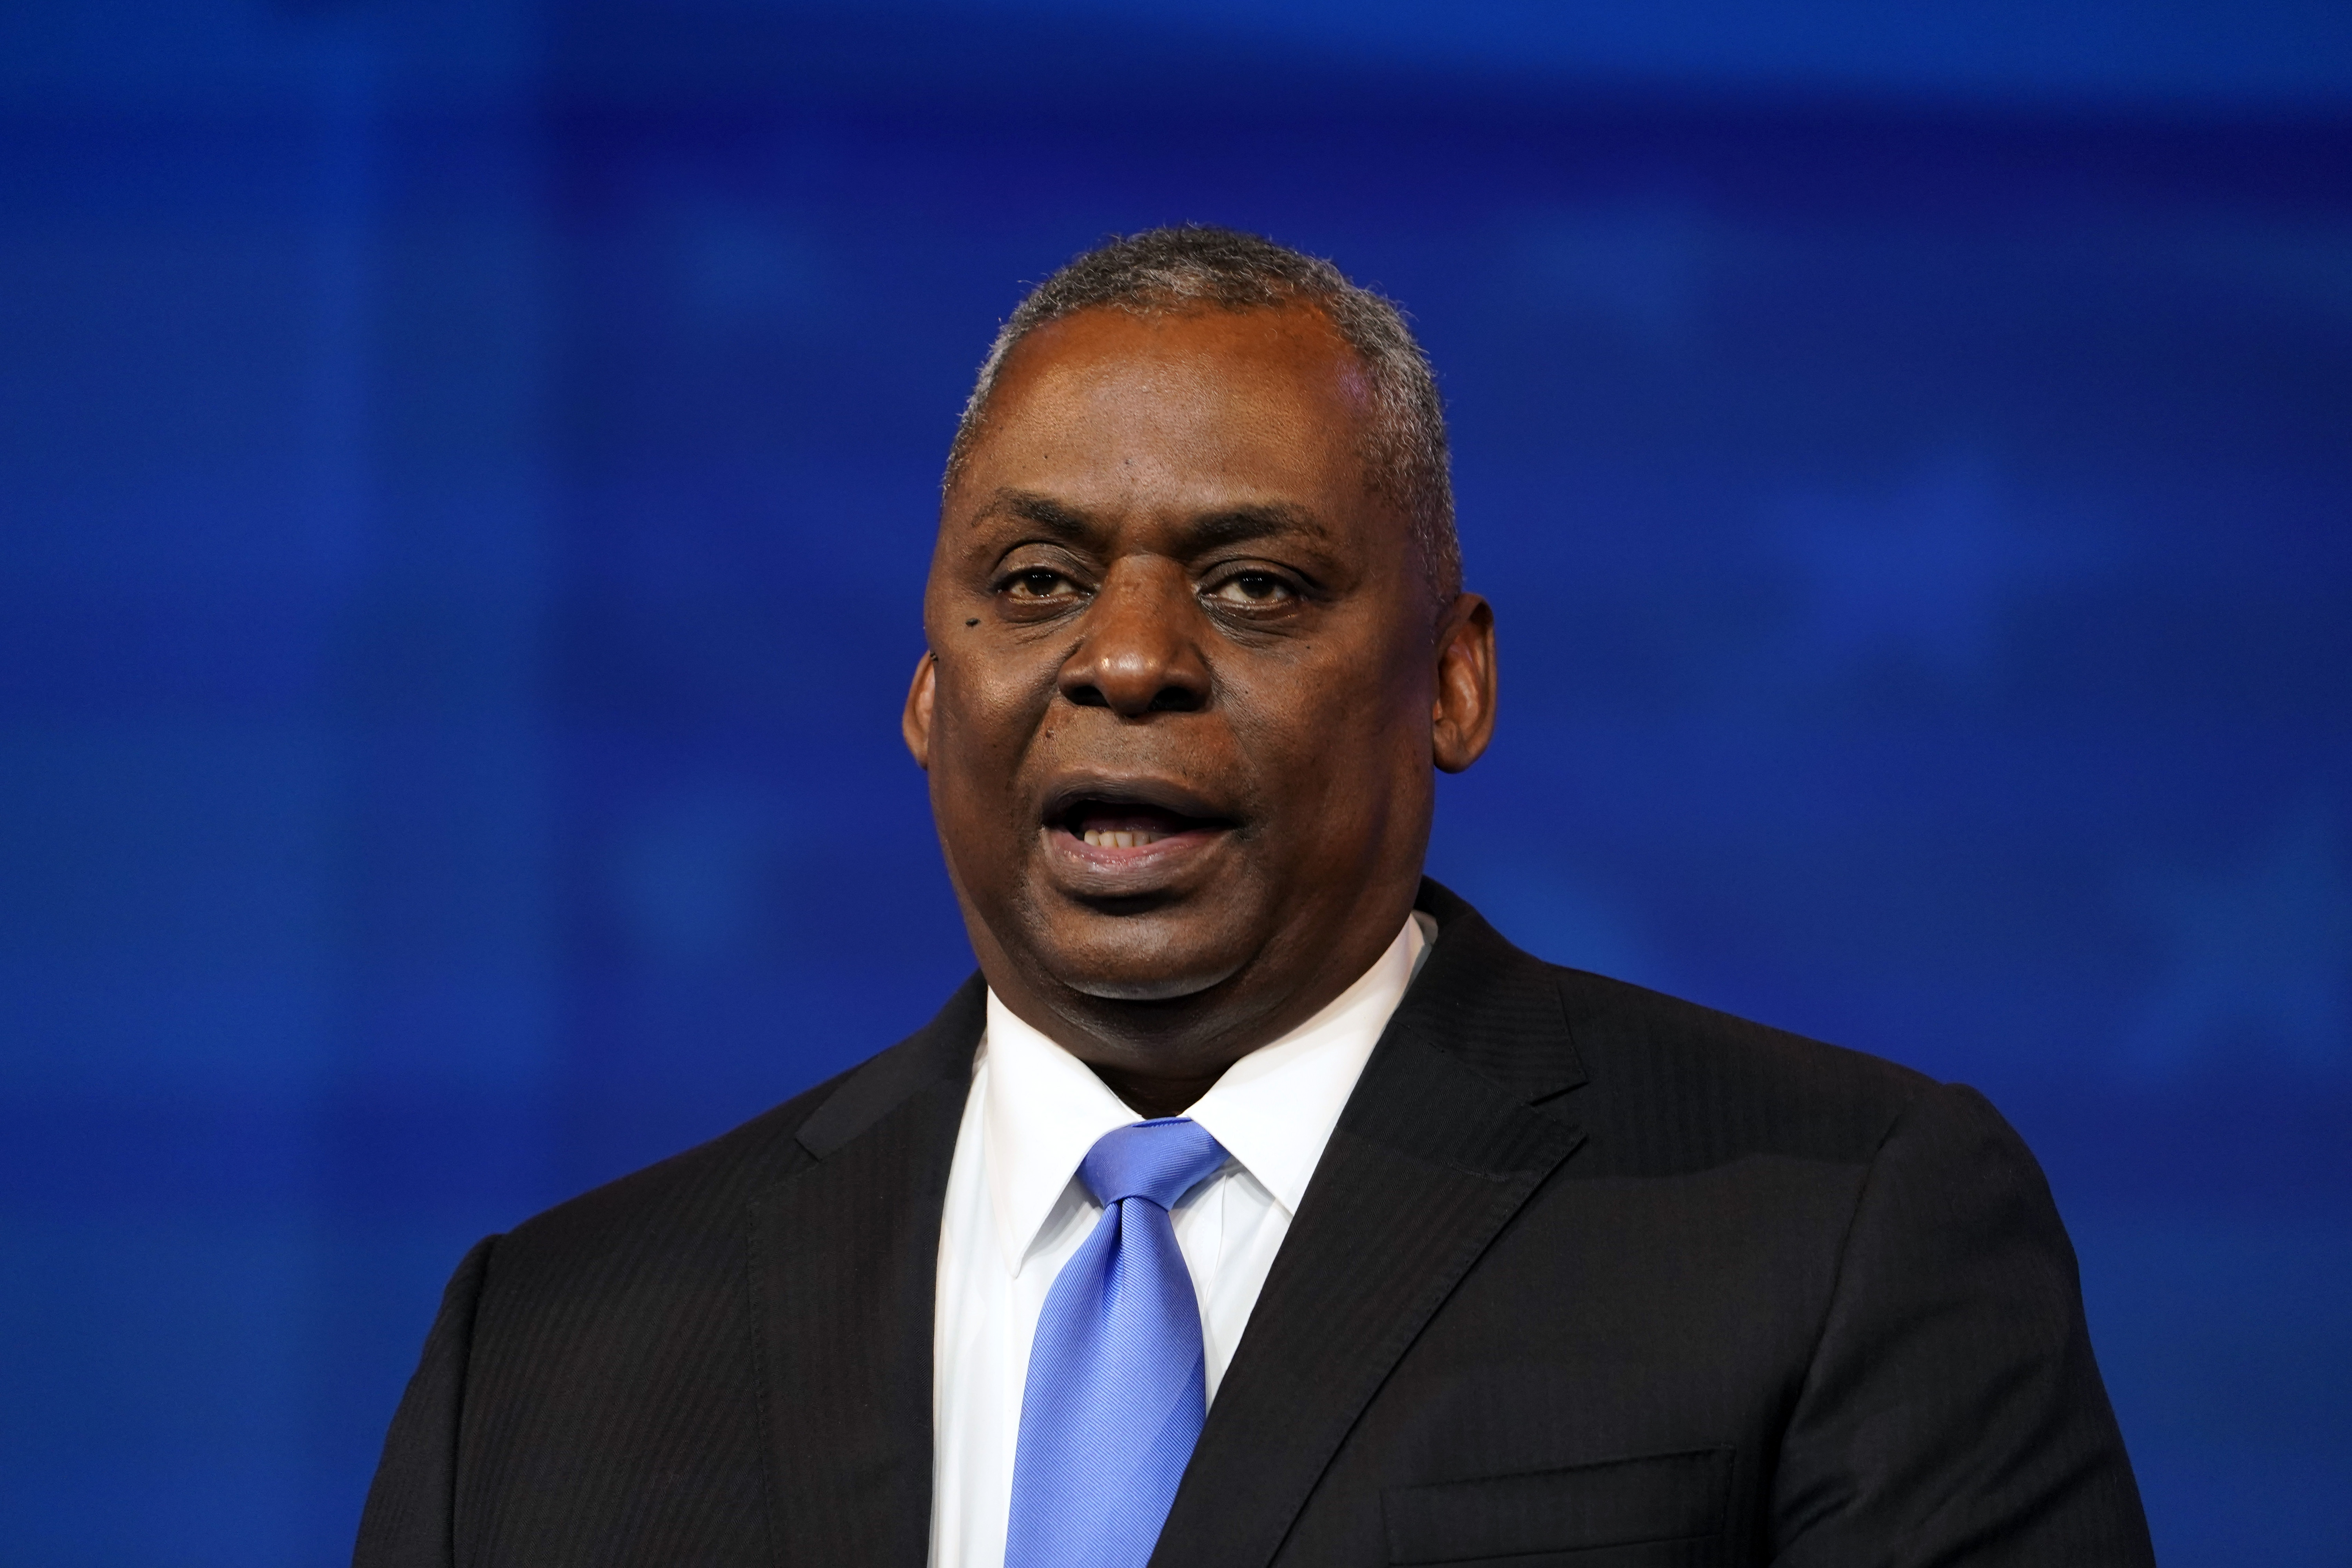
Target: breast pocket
x=1661, y=1498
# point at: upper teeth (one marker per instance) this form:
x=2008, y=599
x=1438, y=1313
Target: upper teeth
x=1122, y=839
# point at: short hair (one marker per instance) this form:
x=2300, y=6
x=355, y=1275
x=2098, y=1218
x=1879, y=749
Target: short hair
x=1199, y=267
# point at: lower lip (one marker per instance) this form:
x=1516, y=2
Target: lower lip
x=1109, y=860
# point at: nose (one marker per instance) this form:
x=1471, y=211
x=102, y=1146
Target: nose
x=1139, y=652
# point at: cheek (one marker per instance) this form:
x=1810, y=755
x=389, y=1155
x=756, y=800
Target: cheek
x=981, y=729
x=1336, y=740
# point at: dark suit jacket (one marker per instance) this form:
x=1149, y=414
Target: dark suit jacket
x=1587, y=1276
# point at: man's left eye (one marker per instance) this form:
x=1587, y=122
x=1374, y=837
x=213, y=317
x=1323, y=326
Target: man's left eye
x=1252, y=588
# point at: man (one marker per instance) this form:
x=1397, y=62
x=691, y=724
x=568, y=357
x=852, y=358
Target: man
x=1257, y=1203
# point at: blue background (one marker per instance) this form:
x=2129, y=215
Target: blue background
x=466, y=470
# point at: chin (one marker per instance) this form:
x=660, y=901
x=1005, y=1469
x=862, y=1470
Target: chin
x=1128, y=989
x=1135, y=965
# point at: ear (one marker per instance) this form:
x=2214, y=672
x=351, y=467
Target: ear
x=915, y=723
x=1462, y=715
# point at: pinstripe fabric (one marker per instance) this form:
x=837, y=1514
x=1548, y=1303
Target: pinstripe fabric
x=601, y=1385
x=1587, y=1277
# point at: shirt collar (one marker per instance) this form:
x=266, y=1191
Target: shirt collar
x=1273, y=1111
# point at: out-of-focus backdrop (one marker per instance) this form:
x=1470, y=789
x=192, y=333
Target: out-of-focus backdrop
x=466, y=469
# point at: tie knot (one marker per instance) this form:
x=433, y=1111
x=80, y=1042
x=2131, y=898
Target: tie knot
x=1161, y=1160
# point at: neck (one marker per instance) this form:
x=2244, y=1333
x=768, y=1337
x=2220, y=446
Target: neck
x=1160, y=1057
x=1152, y=1096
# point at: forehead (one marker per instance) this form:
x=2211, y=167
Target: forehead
x=1174, y=404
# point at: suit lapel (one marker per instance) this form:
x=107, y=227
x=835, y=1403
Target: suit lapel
x=1438, y=1148
x=844, y=1264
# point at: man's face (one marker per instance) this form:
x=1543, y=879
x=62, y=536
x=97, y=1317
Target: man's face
x=1186, y=676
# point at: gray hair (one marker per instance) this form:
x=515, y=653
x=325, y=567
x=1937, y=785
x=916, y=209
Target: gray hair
x=1193, y=265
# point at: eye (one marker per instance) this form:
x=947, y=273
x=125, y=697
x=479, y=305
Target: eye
x=1036, y=582
x=1253, y=588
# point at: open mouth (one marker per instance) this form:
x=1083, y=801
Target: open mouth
x=1127, y=825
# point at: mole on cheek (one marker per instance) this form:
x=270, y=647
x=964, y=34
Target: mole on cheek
x=973, y=622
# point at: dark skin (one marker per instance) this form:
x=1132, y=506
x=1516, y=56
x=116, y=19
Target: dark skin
x=1186, y=684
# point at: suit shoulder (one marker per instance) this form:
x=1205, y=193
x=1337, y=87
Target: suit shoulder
x=1681, y=1084
x=671, y=1200
x=687, y=1212
x=688, y=1209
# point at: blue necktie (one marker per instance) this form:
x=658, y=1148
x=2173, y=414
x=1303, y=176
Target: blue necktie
x=1116, y=1392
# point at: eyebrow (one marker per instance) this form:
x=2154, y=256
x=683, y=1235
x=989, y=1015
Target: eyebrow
x=1063, y=522
x=1207, y=531
x=1234, y=525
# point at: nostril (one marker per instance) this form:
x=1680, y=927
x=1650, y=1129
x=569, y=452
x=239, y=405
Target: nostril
x=1175, y=700
x=1087, y=697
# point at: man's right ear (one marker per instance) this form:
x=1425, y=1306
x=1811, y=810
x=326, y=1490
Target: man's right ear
x=915, y=723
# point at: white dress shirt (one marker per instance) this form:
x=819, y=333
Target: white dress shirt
x=1015, y=1212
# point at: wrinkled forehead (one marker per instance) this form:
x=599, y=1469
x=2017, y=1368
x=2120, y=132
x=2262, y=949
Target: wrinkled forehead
x=1192, y=408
